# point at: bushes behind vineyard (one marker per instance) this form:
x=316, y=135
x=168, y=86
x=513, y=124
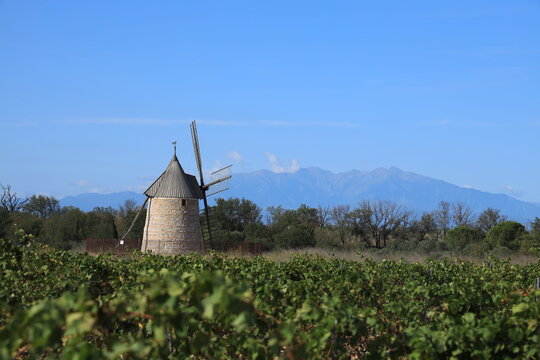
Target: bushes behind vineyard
x=60, y=304
x=369, y=225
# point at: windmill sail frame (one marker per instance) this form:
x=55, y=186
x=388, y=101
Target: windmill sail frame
x=206, y=187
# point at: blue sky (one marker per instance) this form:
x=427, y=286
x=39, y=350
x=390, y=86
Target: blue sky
x=93, y=92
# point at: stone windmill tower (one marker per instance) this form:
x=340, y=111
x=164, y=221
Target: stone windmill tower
x=172, y=223
x=172, y=219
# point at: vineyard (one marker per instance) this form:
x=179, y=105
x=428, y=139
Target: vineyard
x=60, y=304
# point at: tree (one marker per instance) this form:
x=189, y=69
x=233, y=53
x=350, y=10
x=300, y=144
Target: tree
x=341, y=218
x=489, y=218
x=29, y=223
x=324, y=215
x=66, y=228
x=100, y=223
x=461, y=236
x=462, y=215
x=5, y=222
x=234, y=214
x=531, y=241
x=282, y=219
x=296, y=236
x=129, y=207
x=535, y=226
x=442, y=218
x=292, y=228
x=273, y=214
x=505, y=234
x=42, y=206
x=379, y=220
x=10, y=201
x=421, y=228
x=125, y=217
x=308, y=216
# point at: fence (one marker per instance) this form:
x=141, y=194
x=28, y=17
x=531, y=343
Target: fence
x=113, y=246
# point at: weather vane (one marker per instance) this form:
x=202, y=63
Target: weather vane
x=174, y=144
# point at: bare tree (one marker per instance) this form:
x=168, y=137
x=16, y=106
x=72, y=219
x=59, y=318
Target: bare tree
x=10, y=200
x=379, y=220
x=426, y=225
x=489, y=218
x=442, y=218
x=462, y=215
x=129, y=206
x=340, y=218
x=323, y=214
x=273, y=214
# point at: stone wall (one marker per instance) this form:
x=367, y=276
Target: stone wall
x=171, y=227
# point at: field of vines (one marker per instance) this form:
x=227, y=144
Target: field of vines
x=60, y=304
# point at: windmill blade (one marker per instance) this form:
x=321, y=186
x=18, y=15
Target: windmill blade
x=221, y=180
x=197, y=151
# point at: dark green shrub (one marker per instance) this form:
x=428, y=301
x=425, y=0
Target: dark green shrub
x=298, y=236
x=461, y=236
x=5, y=222
x=505, y=234
x=430, y=245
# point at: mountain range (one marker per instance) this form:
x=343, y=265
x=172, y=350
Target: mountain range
x=314, y=186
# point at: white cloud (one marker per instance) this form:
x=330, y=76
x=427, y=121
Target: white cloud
x=217, y=165
x=295, y=166
x=88, y=187
x=143, y=121
x=341, y=124
x=277, y=167
x=98, y=190
x=235, y=156
x=510, y=190
x=118, y=121
x=82, y=183
x=470, y=187
x=19, y=123
x=170, y=122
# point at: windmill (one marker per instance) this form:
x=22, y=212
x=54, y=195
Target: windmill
x=172, y=223
x=219, y=181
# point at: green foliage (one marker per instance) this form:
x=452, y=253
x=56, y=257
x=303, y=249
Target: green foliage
x=421, y=228
x=535, y=227
x=488, y=219
x=505, y=234
x=58, y=304
x=461, y=236
x=125, y=217
x=295, y=236
x=65, y=228
x=31, y=224
x=293, y=228
x=42, y=206
x=234, y=214
x=530, y=243
x=5, y=222
x=100, y=222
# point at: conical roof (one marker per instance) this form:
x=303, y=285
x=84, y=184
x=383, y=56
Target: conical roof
x=175, y=183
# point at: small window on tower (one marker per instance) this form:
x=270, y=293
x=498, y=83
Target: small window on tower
x=184, y=202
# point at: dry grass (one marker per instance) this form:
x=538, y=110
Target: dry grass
x=285, y=255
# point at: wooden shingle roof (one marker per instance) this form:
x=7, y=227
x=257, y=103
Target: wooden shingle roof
x=175, y=183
